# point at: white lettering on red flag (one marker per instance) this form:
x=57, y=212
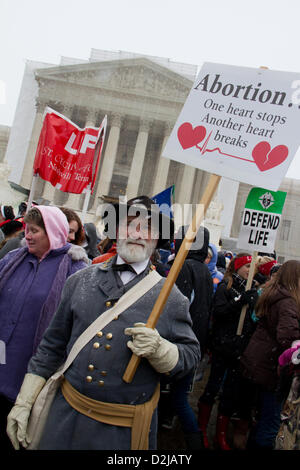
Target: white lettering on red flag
x=67, y=156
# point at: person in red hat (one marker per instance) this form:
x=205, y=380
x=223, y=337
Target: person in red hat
x=226, y=348
x=263, y=267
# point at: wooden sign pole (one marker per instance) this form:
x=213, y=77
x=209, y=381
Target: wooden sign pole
x=176, y=267
x=248, y=286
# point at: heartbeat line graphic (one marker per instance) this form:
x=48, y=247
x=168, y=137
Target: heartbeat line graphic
x=203, y=150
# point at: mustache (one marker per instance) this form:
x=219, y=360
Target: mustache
x=136, y=242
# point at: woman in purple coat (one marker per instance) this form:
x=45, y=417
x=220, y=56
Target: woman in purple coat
x=31, y=282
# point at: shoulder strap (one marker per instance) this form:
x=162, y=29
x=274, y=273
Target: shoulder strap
x=131, y=296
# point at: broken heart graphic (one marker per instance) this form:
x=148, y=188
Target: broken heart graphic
x=265, y=158
x=188, y=137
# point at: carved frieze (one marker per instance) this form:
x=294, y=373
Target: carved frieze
x=139, y=79
x=143, y=79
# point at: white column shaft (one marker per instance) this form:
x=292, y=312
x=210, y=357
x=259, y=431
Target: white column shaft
x=160, y=182
x=109, y=159
x=184, y=194
x=28, y=168
x=137, y=163
x=227, y=195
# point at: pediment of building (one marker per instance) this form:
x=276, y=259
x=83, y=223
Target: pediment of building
x=138, y=76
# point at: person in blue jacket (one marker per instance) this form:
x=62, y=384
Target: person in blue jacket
x=211, y=261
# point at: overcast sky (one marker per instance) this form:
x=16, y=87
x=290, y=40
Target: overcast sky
x=237, y=32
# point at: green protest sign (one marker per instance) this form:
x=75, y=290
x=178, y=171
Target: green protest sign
x=261, y=219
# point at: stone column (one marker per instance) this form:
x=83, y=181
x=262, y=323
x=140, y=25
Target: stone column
x=160, y=182
x=35, y=134
x=109, y=158
x=138, y=160
x=227, y=194
x=75, y=201
x=185, y=190
x=91, y=118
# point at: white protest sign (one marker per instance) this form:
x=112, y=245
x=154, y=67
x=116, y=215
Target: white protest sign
x=239, y=122
x=261, y=219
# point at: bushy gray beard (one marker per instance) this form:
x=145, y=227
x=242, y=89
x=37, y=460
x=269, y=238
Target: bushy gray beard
x=137, y=252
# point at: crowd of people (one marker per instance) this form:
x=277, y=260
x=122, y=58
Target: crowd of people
x=58, y=275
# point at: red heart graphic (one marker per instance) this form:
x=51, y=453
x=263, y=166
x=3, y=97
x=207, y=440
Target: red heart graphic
x=188, y=137
x=265, y=158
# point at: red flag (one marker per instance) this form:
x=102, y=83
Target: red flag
x=67, y=156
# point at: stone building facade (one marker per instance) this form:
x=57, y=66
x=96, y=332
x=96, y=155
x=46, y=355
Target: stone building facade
x=142, y=97
x=142, y=100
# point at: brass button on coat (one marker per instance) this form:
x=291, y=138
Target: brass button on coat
x=101, y=383
x=107, y=347
x=108, y=303
x=91, y=367
x=103, y=372
x=99, y=334
x=109, y=336
x=89, y=378
x=96, y=345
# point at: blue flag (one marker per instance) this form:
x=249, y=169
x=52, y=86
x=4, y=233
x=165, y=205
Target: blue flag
x=165, y=200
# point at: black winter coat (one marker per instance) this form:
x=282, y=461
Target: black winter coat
x=195, y=282
x=225, y=319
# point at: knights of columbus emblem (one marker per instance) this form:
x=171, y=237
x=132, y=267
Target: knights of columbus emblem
x=266, y=200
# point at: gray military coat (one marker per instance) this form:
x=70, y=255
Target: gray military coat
x=98, y=369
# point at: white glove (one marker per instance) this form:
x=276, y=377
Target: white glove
x=147, y=342
x=18, y=417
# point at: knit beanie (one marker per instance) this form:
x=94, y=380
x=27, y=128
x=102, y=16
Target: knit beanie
x=239, y=262
x=266, y=267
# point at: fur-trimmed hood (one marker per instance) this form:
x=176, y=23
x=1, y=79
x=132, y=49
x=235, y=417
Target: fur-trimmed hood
x=78, y=253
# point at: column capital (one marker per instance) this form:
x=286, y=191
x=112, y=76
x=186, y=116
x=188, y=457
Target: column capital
x=67, y=110
x=40, y=105
x=168, y=127
x=91, y=117
x=145, y=125
x=116, y=120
